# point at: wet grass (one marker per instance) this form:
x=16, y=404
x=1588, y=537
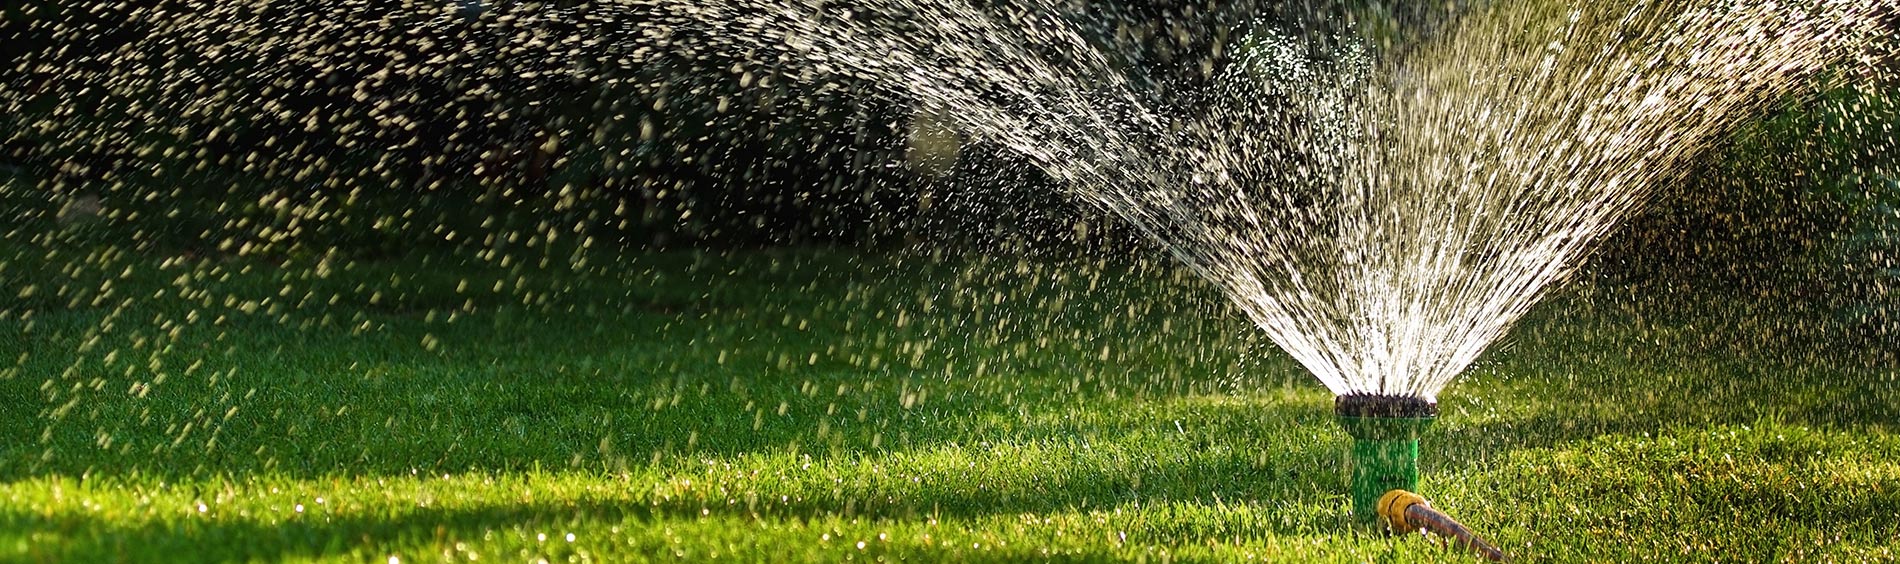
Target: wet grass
x=827, y=406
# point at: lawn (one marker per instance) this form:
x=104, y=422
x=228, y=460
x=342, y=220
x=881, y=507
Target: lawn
x=808, y=405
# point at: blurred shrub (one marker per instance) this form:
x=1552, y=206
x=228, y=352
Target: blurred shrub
x=1796, y=207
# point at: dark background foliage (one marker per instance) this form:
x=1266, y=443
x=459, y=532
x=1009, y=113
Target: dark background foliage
x=372, y=126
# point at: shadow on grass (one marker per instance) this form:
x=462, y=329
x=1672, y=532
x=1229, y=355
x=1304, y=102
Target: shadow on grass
x=425, y=529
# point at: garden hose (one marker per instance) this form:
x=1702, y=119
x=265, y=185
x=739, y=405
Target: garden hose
x=1404, y=511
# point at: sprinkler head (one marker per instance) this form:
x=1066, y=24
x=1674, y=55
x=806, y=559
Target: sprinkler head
x=1385, y=432
x=1369, y=405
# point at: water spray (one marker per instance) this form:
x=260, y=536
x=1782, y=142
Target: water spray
x=1385, y=432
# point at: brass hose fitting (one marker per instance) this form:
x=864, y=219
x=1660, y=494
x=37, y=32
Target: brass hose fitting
x=1404, y=511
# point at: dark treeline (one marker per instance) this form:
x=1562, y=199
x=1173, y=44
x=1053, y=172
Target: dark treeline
x=459, y=105
x=439, y=107
x=374, y=121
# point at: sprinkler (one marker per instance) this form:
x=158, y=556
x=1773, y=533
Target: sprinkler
x=1385, y=432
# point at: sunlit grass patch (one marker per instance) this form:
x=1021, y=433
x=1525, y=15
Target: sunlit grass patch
x=790, y=406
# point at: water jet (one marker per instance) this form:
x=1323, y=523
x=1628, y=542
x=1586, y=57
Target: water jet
x=1382, y=215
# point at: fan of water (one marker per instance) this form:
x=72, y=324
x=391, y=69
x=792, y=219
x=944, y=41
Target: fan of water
x=1382, y=216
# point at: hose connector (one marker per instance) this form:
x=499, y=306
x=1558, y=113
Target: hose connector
x=1392, y=507
x=1404, y=511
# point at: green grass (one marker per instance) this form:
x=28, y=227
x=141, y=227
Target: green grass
x=828, y=406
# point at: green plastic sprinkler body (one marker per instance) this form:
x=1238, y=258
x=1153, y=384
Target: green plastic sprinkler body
x=1385, y=431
